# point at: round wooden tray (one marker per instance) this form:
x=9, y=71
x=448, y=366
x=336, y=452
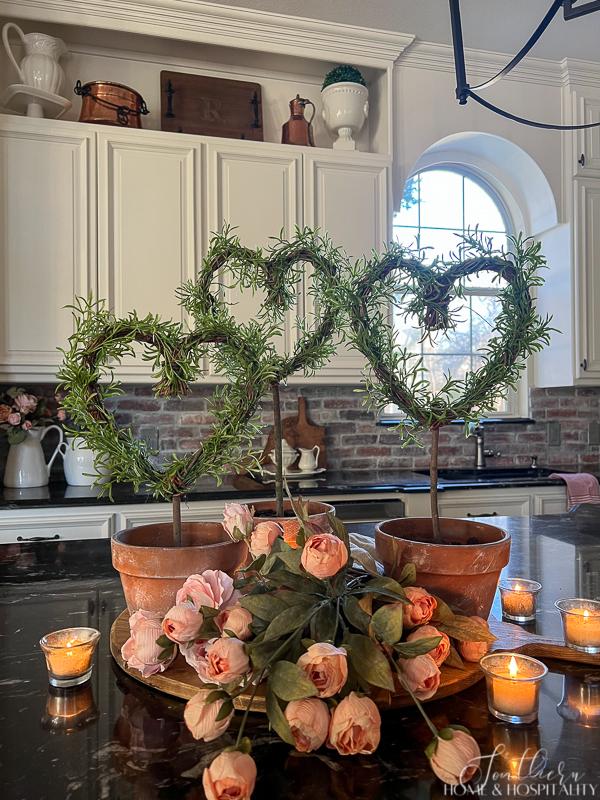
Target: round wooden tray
x=180, y=680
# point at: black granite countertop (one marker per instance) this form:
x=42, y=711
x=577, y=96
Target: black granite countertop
x=133, y=745
x=238, y=487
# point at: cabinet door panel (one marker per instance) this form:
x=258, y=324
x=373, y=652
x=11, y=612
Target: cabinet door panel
x=47, y=193
x=587, y=274
x=504, y=504
x=589, y=138
x=148, y=224
x=348, y=200
x=258, y=194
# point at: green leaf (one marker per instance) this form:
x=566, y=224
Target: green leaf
x=282, y=578
x=323, y=625
x=443, y=612
x=418, y=647
x=291, y=559
x=256, y=565
x=369, y=662
x=164, y=641
x=224, y=711
x=408, y=575
x=287, y=621
x=264, y=606
x=218, y=694
x=386, y=623
x=387, y=587
x=261, y=653
x=208, y=612
x=355, y=615
x=277, y=719
x=454, y=660
x=289, y=682
x=295, y=598
x=340, y=530
x=466, y=630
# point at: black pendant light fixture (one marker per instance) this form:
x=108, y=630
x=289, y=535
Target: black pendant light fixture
x=571, y=10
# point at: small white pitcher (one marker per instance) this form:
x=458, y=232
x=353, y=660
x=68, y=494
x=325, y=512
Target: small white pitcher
x=309, y=458
x=26, y=466
x=79, y=463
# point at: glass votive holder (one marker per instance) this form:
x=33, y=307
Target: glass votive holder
x=513, y=685
x=581, y=623
x=69, y=655
x=519, y=597
x=580, y=701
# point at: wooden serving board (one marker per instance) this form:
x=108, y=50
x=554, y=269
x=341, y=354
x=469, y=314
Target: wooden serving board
x=299, y=431
x=180, y=680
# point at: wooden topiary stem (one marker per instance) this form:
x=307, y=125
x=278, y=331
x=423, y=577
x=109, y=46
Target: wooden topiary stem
x=277, y=437
x=433, y=479
x=177, y=520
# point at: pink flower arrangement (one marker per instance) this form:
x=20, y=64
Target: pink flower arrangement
x=20, y=411
x=240, y=634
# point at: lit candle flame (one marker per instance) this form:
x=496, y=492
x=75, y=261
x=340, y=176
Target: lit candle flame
x=518, y=587
x=586, y=614
x=513, y=669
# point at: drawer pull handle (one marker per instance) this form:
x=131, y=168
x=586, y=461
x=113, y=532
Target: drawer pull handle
x=581, y=160
x=38, y=538
x=489, y=514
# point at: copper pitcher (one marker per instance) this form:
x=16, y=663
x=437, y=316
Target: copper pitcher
x=298, y=130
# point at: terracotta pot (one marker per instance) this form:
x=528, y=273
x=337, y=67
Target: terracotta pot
x=464, y=575
x=152, y=569
x=317, y=513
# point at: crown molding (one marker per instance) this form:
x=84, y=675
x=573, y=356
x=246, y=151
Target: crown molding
x=584, y=73
x=211, y=23
x=481, y=64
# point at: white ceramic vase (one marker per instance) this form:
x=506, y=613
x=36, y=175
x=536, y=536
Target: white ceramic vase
x=345, y=109
x=26, y=465
x=79, y=464
x=40, y=68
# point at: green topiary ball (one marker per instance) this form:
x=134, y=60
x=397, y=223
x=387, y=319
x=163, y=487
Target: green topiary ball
x=345, y=73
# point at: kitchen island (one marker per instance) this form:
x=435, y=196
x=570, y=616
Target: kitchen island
x=130, y=742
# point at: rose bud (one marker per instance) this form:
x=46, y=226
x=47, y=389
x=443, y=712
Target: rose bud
x=420, y=608
x=5, y=412
x=324, y=555
x=26, y=403
x=263, y=538
x=355, y=726
x=182, y=622
x=231, y=776
x=213, y=588
x=421, y=675
x=140, y=651
x=237, y=517
x=474, y=651
x=309, y=722
x=439, y=653
x=27, y=425
x=326, y=666
x=201, y=717
x=14, y=418
x=222, y=661
x=235, y=619
x=456, y=760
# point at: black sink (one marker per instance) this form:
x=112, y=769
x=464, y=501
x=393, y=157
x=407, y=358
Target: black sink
x=490, y=474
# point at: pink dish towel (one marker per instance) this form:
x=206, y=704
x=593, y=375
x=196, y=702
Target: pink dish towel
x=581, y=487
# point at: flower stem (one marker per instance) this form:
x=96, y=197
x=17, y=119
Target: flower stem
x=415, y=699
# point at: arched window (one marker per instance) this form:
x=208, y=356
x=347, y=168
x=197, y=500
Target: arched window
x=439, y=205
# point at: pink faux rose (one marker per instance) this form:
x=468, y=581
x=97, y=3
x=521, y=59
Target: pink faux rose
x=439, y=653
x=140, y=651
x=326, y=666
x=309, y=722
x=474, y=651
x=27, y=425
x=14, y=418
x=231, y=776
x=237, y=517
x=324, y=555
x=421, y=608
x=5, y=412
x=214, y=588
x=355, y=726
x=201, y=717
x=181, y=623
x=421, y=675
x=456, y=760
x=235, y=619
x=263, y=538
x=26, y=403
x=221, y=660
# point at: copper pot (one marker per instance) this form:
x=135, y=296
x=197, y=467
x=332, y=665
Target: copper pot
x=107, y=103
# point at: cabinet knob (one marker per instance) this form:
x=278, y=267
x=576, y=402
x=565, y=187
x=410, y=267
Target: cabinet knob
x=490, y=514
x=583, y=364
x=581, y=160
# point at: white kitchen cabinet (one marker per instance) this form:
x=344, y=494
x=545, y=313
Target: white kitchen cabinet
x=512, y=502
x=346, y=196
x=586, y=250
x=57, y=524
x=587, y=140
x=149, y=224
x=256, y=190
x=48, y=254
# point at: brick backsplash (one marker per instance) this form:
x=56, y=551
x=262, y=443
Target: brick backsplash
x=356, y=442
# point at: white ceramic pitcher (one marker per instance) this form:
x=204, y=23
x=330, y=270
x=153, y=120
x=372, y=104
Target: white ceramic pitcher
x=309, y=458
x=39, y=68
x=26, y=465
x=79, y=463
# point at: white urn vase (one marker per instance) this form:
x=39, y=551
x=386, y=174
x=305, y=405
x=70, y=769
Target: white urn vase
x=345, y=109
x=79, y=463
x=26, y=465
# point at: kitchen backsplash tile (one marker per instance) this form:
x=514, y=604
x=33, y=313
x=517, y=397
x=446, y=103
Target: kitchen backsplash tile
x=354, y=440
